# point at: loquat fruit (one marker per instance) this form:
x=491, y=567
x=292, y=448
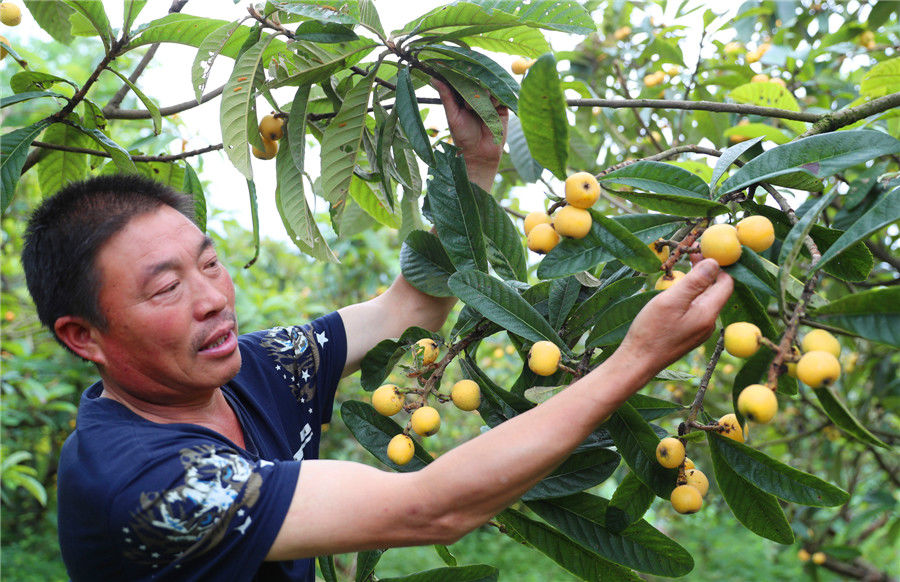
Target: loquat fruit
x=818, y=368
x=760, y=78
x=803, y=555
x=818, y=558
x=573, y=222
x=756, y=232
x=654, y=79
x=742, y=339
x=3, y=51
x=792, y=363
x=520, y=65
x=758, y=403
x=821, y=340
x=271, y=127
x=670, y=452
x=778, y=81
x=686, y=499
x=10, y=14
x=542, y=237
x=466, y=395
x=732, y=48
x=731, y=427
x=535, y=218
x=387, y=400
x=543, y=358
x=622, y=33
x=663, y=253
x=688, y=464
x=425, y=421
x=269, y=153
x=401, y=449
x=667, y=281
x=429, y=350
x=582, y=190
x=720, y=242
x=697, y=479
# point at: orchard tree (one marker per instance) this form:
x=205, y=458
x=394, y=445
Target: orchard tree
x=762, y=138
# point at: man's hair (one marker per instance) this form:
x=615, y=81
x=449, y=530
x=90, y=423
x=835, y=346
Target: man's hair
x=66, y=232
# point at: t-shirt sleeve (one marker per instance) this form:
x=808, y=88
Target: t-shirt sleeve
x=205, y=510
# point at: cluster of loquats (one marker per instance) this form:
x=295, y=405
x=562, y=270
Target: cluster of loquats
x=692, y=484
x=425, y=420
x=573, y=220
x=722, y=242
x=10, y=15
x=271, y=129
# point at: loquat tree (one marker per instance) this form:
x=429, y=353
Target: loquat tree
x=760, y=151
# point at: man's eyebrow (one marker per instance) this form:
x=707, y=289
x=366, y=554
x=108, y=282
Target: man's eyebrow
x=162, y=266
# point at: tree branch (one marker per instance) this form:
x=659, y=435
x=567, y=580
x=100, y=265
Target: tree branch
x=714, y=106
x=140, y=158
x=845, y=117
x=163, y=111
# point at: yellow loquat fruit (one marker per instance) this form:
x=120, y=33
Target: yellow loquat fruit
x=542, y=237
x=742, y=339
x=667, y=281
x=10, y=14
x=401, y=449
x=697, y=479
x=582, y=190
x=755, y=232
x=573, y=222
x=821, y=340
x=818, y=558
x=270, y=151
x=758, y=403
x=760, y=78
x=520, y=65
x=466, y=395
x=429, y=350
x=670, y=452
x=720, y=242
x=688, y=464
x=663, y=253
x=686, y=499
x=622, y=33
x=535, y=218
x=387, y=400
x=731, y=428
x=543, y=358
x=803, y=555
x=271, y=127
x=425, y=421
x=818, y=368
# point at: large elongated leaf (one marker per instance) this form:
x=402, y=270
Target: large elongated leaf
x=629, y=503
x=27, y=96
x=411, y=118
x=152, y=107
x=53, y=17
x=194, y=188
x=313, y=62
x=59, y=168
x=572, y=256
x=486, y=75
x=504, y=245
x=623, y=245
x=93, y=11
x=529, y=170
x=13, y=151
x=793, y=243
x=884, y=212
x=844, y=419
x=575, y=558
x=583, y=518
x=120, y=156
x=565, y=15
x=616, y=319
x=290, y=200
x=542, y=111
x=237, y=112
x=636, y=441
x=498, y=302
x=341, y=140
x=757, y=510
x=728, y=157
x=425, y=264
x=452, y=201
x=669, y=189
x=591, y=310
x=873, y=314
x=579, y=472
x=777, y=478
x=563, y=295
x=472, y=573
x=475, y=94
x=819, y=155
x=769, y=95
x=374, y=432
x=207, y=52
x=378, y=362
x=28, y=81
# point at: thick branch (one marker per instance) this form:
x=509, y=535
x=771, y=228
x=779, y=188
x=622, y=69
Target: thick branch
x=164, y=111
x=845, y=117
x=140, y=158
x=696, y=105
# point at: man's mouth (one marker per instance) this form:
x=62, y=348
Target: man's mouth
x=216, y=343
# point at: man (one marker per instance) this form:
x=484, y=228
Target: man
x=195, y=454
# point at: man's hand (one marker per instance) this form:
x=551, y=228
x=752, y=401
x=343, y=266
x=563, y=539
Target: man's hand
x=472, y=136
x=681, y=317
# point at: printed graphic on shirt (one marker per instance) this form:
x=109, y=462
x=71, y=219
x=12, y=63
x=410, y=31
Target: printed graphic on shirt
x=296, y=357
x=191, y=518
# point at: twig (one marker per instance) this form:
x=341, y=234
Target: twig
x=163, y=111
x=697, y=404
x=138, y=158
x=790, y=331
x=713, y=106
x=845, y=117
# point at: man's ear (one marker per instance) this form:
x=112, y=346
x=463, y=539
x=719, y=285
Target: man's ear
x=79, y=336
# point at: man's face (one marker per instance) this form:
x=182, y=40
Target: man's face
x=172, y=335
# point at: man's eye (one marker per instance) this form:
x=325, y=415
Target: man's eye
x=212, y=263
x=168, y=288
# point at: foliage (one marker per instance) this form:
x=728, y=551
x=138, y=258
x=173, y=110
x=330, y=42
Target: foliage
x=816, y=156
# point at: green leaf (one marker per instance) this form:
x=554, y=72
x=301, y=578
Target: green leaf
x=152, y=108
x=777, y=478
x=651, y=408
x=290, y=200
x=520, y=40
x=28, y=81
x=728, y=157
x=473, y=573
x=475, y=94
x=378, y=362
x=132, y=9
x=769, y=95
x=254, y=218
x=14, y=148
x=452, y=200
x=670, y=189
x=542, y=111
x=572, y=256
x=207, y=52
x=326, y=568
x=884, y=212
x=374, y=432
x=582, y=517
x=444, y=554
x=573, y=557
x=579, y=472
x=120, y=157
x=365, y=564
x=636, y=441
x=53, y=17
x=818, y=155
x=623, y=245
x=296, y=128
x=751, y=271
x=341, y=140
x=872, y=314
x=758, y=130
x=237, y=111
x=312, y=62
x=27, y=96
x=93, y=11
x=58, y=168
x=324, y=32
x=629, y=503
x=844, y=419
x=882, y=79
x=563, y=295
x=793, y=243
x=529, y=170
x=757, y=510
x=565, y=15
x=368, y=17
x=194, y=188
x=498, y=302
x=504, y=244
x=365, y=196
x=425, y=264
x=410, y=117
x=592, y=309
x=616, y=319
x=337, y=11
x=497, y=405
x=483, y=77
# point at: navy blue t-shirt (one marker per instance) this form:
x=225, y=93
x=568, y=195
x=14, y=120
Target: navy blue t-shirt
x=145, y=501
